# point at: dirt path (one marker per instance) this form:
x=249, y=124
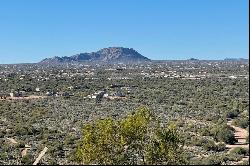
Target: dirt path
x=40, y=156
x=12, y=140
x=25, y=98
x=241, y=135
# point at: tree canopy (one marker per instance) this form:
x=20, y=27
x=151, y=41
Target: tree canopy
x=137, y=139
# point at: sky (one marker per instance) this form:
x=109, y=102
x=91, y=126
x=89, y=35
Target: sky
x=31, y=30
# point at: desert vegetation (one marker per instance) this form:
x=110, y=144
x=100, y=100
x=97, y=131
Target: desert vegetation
x=116, y=114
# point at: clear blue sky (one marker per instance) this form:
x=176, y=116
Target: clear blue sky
x=31, y=30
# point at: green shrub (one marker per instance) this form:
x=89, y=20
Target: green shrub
x=220, y=147
x=137, y=139
x=212, y=160
x=245, y=162
x=20, y=144
x=205, y=132
x=240, y=151
x=241, y=122
x=27, y=159
x=223, y=133
x=233, y=113
x=3, y=156
x=210, y=145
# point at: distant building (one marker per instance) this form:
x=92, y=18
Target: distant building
x=66, y=94
x=98, y=95
x=70, y=87
x=232, y=77
x=49, y=93
x=12, y=94
x=119, y=94
x=17, y=94
x=116, y=86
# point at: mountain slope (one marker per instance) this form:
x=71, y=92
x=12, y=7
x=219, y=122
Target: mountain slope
x=106, y=55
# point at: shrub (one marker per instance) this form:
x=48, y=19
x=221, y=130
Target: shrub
x=204, y=132
x=3, y=156
x=240, y=151
x=241, y=122
x=27, y=159
x=210, y=145
x=212, y=160
x=137, y=139
x=223, y=133
x=21, y=144
x=221, y=147
x=245, y=162
x=233, y=113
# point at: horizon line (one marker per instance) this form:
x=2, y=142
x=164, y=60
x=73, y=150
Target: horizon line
x=189, y=59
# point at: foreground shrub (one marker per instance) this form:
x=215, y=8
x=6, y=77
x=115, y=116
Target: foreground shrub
x=223, y=133
x=241, y=122
x=240, y=151
x=137, y=139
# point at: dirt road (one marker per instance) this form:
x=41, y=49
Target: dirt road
x=241, y=135
x=24, y=98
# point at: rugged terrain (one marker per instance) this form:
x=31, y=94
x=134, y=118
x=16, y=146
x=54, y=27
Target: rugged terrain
x=105, y=55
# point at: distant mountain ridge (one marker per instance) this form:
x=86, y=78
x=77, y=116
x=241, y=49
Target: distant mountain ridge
x=236, y=59
x=193, y=59
x=110, y=55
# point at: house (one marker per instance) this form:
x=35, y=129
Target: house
x=37, y=89
x=119, y=94
x=49, y=93
x=98, y=95
x=62, y=94
x=12, y=94
x=70, y=87
x=128, y=89
x=22, y=93
x=58, y=94
x=93, y=96
x=232, y=77
x=66, y=94
x=116, y=86
x=17, y=94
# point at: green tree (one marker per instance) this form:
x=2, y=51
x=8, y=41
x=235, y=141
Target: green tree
x=242, y=122
x=223, y=132
x=138, y=139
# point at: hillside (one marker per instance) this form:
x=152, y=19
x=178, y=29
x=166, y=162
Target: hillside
x=106, y=55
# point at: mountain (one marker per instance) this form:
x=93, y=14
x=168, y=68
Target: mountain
x=235, y=59
x=193, y=59
x=105, y=55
